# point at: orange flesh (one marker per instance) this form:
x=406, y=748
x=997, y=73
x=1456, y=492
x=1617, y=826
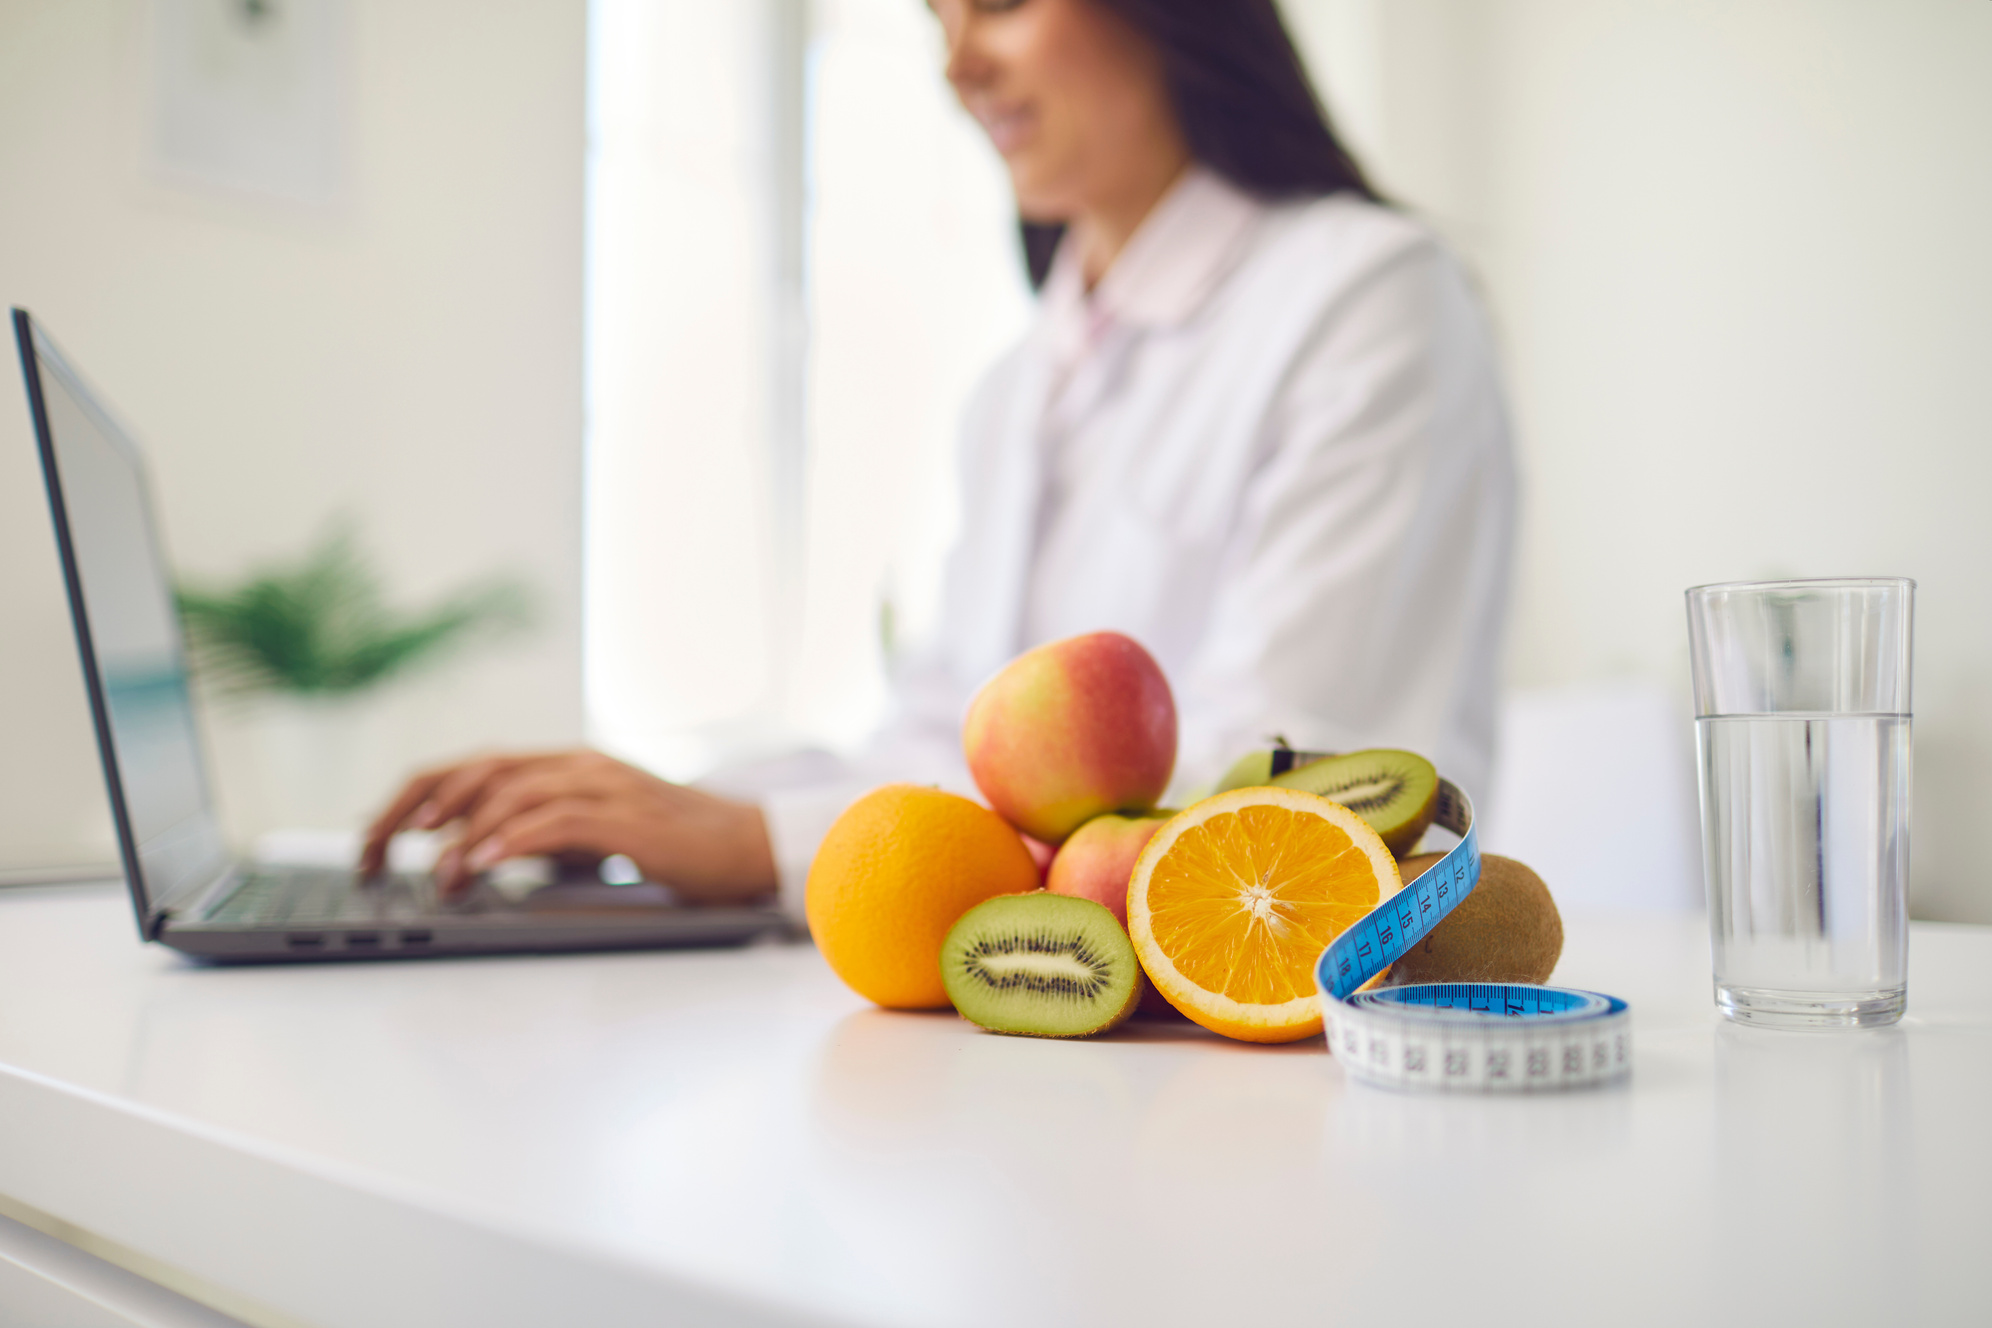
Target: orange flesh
x=1244, y=903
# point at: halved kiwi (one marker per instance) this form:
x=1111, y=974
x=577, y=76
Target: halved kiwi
x=1041, y=964
x=1394, y=792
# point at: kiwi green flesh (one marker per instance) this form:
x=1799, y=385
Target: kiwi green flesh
x=1041, y=964
x=1395, y=792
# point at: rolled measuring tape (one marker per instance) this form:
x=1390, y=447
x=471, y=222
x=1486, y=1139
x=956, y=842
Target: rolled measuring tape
x=1485, y=1037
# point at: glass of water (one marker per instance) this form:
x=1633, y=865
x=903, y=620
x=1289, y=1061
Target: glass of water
x=1802, y=729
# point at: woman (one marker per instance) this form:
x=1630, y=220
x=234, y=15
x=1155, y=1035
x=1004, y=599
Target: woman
x=1256, y=426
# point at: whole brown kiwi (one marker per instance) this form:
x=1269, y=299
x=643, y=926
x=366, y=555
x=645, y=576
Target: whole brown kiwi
x=1507, y=930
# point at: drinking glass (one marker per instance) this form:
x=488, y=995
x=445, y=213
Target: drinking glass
x=1802, y=731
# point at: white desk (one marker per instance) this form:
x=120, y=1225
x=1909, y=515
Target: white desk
x=731, y=1137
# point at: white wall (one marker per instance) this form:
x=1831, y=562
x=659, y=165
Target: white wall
x=411, y=355
x=1737, y=252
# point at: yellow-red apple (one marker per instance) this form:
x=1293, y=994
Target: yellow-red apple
x=1070, y=731
x=1099, y=857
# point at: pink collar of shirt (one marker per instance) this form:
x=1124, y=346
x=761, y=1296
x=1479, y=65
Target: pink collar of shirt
x=1169, y=267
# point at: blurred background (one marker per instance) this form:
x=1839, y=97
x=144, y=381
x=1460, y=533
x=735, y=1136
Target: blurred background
x=664, y=311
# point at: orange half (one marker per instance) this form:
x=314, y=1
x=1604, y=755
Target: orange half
x=1234, y=899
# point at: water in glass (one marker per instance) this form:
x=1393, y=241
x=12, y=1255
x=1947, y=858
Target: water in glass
x=1806, y=833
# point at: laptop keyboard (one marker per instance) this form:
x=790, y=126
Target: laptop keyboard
x=313, y=897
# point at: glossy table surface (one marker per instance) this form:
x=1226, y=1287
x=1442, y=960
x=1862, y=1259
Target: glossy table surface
x=732, y=1137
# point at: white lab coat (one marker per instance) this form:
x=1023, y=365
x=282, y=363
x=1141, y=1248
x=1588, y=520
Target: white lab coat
x=1271, y=446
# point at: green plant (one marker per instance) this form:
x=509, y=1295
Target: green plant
x=320, y=627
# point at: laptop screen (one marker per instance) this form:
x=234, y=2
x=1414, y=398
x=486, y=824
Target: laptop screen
x=134, y=660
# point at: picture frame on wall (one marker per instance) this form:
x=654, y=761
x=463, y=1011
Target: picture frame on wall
x=250, y=97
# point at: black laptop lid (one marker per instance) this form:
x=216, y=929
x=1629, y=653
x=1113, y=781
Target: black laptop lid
x=134, y=662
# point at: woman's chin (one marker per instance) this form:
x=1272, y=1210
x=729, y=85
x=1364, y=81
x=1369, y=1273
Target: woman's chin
x=1038, y=204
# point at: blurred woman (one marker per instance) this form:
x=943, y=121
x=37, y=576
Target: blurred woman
x=1256, y=425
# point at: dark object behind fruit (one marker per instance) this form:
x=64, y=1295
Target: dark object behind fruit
x=1507, y=930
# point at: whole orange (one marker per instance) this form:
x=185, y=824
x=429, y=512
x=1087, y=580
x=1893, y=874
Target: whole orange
x=899, y=867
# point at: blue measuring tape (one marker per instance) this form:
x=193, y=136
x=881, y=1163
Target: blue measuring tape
x=1459, y=1036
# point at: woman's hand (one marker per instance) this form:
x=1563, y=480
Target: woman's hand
x=708, y=849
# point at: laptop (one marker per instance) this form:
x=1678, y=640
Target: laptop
x=188, y=891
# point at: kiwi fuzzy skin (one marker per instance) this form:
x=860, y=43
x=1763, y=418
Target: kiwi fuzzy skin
x=1507, y=930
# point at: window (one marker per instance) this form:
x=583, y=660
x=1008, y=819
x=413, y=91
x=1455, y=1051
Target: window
x=801, y=255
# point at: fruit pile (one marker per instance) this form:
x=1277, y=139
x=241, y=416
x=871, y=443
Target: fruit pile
x=920, y=899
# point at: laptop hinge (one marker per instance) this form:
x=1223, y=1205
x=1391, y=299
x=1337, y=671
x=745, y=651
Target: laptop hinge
x=204, y=899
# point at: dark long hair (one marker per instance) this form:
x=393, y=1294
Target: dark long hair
x=1243, y=100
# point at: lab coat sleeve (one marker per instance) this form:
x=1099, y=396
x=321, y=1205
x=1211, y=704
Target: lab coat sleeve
x=1363, y=584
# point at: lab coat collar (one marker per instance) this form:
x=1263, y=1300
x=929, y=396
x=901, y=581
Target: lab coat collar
x=1169, y=267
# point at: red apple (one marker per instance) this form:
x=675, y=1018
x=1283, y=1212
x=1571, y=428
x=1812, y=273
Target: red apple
x=1070, y=731
x=1097, y=860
